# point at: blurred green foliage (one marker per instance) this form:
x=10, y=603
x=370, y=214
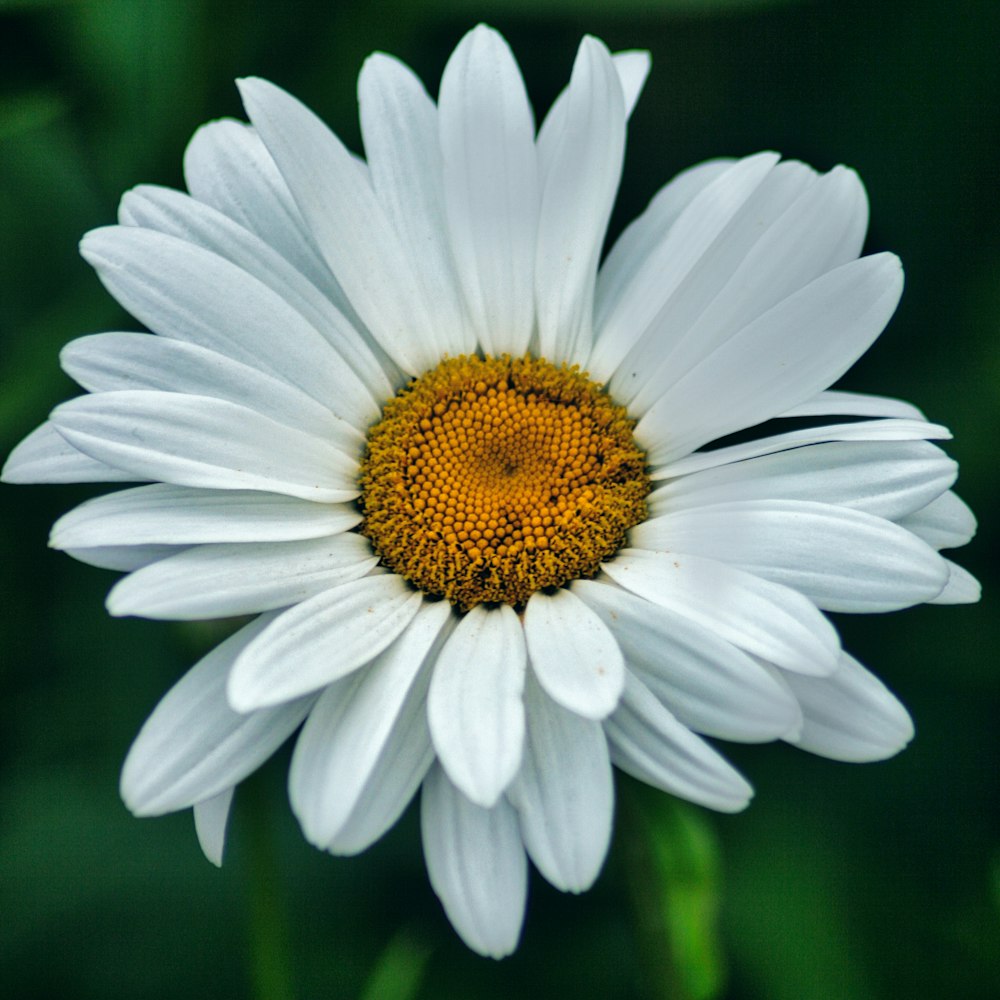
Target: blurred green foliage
x=868, y=883
x=672, y=870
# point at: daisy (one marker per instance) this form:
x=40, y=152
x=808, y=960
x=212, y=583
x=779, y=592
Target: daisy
x=398, y=409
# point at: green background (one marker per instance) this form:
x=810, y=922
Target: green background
x=840, y=881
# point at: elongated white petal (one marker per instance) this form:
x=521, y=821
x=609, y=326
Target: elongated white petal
x=842, y=560
x=476, y=865
x=45, y=456
x=347, y=222
x=180, y=515
x=861, y=430
x=650, y=744
x=670, y=258
x=173, y=287
x=850, y=715
x=794, y=229
x=220, y=581
x=945, y=523
x=194, y=746
x=211, y=817
x=321, y=640
x=854, y=404
x=800, y=346
x=564, y=793
x=108, y=362
x=643, y=234
x=227, y=166
x=581, y=175
x=491, y=188
x=888, y=479
x=399, y=123
x=573, y=655
x=366, y=746
x=211, y=443
x=705, y=681
x=761, y=617
x=178, y=215
x=474, y=708
x=962, y=587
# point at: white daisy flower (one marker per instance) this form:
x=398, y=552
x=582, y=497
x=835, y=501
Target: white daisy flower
x=395, y=408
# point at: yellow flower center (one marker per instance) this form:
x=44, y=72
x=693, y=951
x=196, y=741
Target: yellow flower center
x=488, y=479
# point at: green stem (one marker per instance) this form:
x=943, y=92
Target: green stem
x=270, y=954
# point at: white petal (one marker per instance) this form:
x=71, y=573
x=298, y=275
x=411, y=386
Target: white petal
x=650, y=744
x=962, y=587
x=321, y=640
x=399, y=123
x=945, y=523
x=855, y=404
x=179, y=515
x=888, y=479
x=476, y=865
x=794, y=229
x=178, y=215
x=45, y=456
x=491, y=188
x=228, y=167
x=366, y=746
x=573, y=655
x=194, y=746
x=795, y=349
x=643, y=234
x=347, y=222
x=220, y=581
x=705, y=681
x=761, y=617
x=564, y=793
x=211, y=443
x=842, y=560
x=632, y=67
x=581, y=174
x=184, y=292
x=107, y=362
x=670, y=258
x=861, y=430
x=850, y=715
x=211, y=817
x=474, y=707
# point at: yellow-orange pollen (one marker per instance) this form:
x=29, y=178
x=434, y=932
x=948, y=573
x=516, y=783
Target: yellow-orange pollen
x=488, y=479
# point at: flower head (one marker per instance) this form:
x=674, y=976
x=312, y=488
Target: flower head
x=398, y=409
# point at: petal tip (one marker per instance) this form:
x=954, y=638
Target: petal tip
x=739, y=802
x=117, y=602
x=240, y=694
x=254, y=89
x=9, y=472
x=136, y=801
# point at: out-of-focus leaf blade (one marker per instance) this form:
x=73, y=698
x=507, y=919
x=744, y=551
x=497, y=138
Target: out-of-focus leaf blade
x=143, y=66
x=674, y=871
x=28, y=112
x=400, y=968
